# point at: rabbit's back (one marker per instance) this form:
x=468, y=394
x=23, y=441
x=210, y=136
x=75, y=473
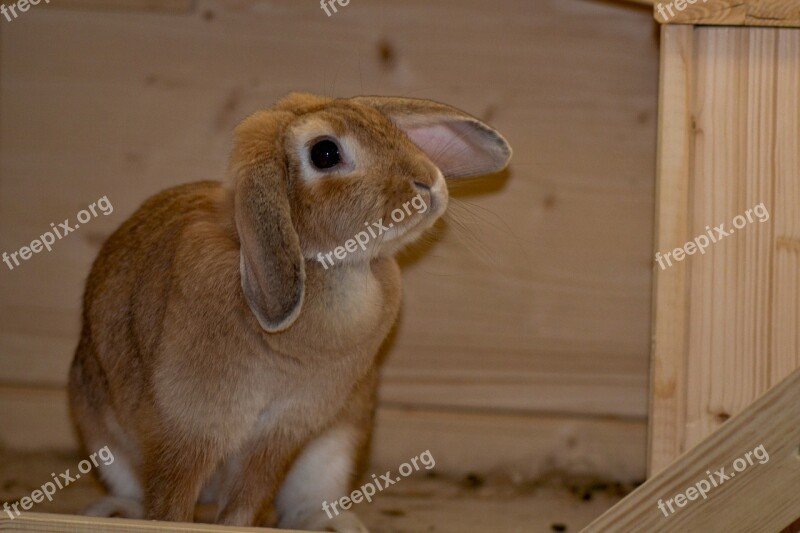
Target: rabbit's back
x=141, y=264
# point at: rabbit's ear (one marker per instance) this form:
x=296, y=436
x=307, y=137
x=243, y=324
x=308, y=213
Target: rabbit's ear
x=458, y=143
x=271, y=263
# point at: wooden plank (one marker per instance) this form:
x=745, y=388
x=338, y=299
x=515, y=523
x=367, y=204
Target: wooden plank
x=728, y=333
x=785, y=356
x=532, y=446
x=527, y=302
x=462, y=442
x=762, y=496
x=670, y=303
x=739, y=335
x=152, y=6
x=729, y=12
x=55, y=523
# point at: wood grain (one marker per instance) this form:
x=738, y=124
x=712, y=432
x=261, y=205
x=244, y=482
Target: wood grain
x=159, y=6
x=536, y=279
x=741, y=325
x=785, y=310
x=535, y=297
x=761, y=498
x=55, y=523
x=670, y=303
x=784, y=13
x=461, y=442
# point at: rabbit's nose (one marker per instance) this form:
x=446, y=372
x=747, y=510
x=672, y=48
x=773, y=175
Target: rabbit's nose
x=422, y=186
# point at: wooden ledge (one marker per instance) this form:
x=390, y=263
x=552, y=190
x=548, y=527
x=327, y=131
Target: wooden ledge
x=774, y=13
x=56, y=523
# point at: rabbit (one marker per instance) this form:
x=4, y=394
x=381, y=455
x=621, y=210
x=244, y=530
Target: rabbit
x=219, y=360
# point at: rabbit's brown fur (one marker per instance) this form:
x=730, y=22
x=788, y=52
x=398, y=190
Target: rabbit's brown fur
x=215, y=347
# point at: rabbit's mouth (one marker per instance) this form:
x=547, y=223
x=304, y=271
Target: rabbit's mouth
x=398, y=227
x=404, y=231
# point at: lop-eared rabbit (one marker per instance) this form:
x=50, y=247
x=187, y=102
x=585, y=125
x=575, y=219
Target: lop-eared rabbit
x=221, y=359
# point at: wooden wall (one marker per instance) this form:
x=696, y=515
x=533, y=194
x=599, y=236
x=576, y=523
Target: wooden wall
x=524, y=339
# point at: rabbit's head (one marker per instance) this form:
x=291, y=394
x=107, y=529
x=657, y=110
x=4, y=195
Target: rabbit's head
x=345, y=181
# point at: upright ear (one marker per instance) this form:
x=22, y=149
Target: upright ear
x=271, y=263
x=458, y=143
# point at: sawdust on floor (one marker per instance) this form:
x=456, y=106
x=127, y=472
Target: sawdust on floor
x=425, y=502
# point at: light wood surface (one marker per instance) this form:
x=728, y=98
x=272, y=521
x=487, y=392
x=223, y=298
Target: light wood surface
x=162, y=6
x=522, y=446
x=726, y=327
x=760, y=497
x=425, y=501
x=729, y=12
x=535, y=298
x=78, y=524
x=670, y=306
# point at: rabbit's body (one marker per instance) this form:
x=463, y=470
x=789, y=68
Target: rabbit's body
x=242, y=383
x=218, y=354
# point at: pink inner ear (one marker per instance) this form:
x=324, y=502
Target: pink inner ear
x=455, y=148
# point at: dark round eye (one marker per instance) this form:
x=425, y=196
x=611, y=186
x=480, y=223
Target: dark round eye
x=325, y=154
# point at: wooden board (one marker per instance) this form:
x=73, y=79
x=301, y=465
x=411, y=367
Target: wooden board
x=667, y=409
x=518, y=446
x=78, y=524
x=729, y=12
x=162, y=6
x=726, y=326
x=760, y=496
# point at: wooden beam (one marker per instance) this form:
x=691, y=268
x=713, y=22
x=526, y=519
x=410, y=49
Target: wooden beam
x=670, y=297
x=728, y=12
x=762, y=496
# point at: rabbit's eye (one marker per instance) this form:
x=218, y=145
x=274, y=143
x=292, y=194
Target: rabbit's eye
x=325, y=154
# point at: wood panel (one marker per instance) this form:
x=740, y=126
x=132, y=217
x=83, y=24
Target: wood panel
x=533, y=299
x=536, y=278
x=462, y=442
x=729, y=12
x=163, y=6
x=737, y=312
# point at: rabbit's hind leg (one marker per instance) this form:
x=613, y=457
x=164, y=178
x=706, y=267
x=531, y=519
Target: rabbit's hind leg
x=105, y=440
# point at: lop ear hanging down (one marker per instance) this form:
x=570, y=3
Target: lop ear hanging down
x=271, y=263
x=456, y=142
